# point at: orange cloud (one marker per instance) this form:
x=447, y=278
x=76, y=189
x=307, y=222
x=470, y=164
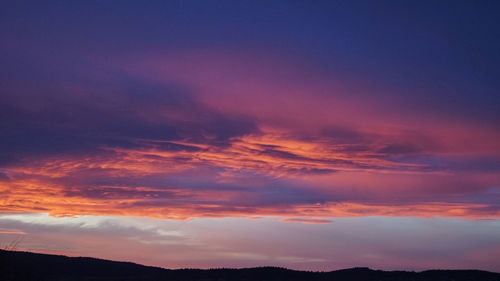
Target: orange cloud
x=101, y=184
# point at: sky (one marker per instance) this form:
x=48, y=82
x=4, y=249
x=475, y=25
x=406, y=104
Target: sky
x=313, y=135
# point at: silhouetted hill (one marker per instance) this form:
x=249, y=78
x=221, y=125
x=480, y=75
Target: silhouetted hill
x=24, y=266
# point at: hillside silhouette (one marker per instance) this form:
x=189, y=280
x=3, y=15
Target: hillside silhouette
x=25, y=266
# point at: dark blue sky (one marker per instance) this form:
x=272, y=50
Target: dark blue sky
x=438, y=56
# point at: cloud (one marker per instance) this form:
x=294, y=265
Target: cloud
x=4, y=231
x=308, y=220
x=133, y=114
x=378, y=242
x=264, y=173
x=3, y=176
x=399, y=149
x=213, y=135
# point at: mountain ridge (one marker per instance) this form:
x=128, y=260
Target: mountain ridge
x=27, y=266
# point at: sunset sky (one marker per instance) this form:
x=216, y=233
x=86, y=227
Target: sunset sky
x=312, y=135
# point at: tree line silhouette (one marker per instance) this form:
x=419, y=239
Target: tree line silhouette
x=25, y=266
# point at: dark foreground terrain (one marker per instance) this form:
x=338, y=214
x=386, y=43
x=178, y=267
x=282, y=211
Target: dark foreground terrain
x=23, y=266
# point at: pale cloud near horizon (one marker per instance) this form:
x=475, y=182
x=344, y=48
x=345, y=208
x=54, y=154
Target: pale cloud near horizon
x=376, y=242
